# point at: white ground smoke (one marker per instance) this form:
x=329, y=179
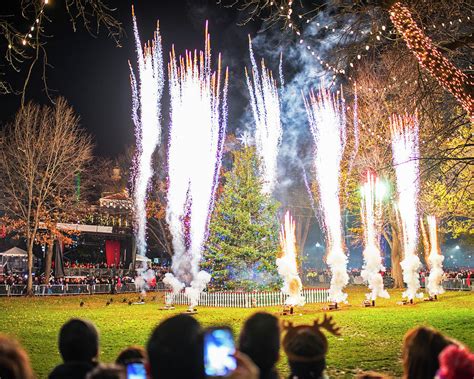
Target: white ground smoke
x=405, y=160
x=198, y=123
x=287, y=267
x=371, y=209
x=435, y=260
x=327, y=120
x=265, y=104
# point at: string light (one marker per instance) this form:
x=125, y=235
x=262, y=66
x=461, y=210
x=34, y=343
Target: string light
x=429, y=57
x=28, y=35
x=331, y=28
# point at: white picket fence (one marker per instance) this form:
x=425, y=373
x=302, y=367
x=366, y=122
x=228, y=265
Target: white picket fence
x=247, y=299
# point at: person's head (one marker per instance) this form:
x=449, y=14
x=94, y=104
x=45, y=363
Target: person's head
x=132, y=354
x=78, y=341
x=175, y=349
x=14, y=362
x=421, y=347
x=107, y=371
x=456, y=362
x=260, y=340
x=306, y=348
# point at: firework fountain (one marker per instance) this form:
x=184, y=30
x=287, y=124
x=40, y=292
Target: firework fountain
x=197, y=130
x=373, y=192
x=327, y=120
x=404, y=131
x=265, y=104
x=146, y=114
x=286, y=263
x=435, y=261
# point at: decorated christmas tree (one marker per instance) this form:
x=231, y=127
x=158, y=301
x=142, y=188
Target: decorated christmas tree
x=243, y=238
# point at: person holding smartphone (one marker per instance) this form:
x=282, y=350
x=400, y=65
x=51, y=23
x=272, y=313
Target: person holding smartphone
x=221, y=360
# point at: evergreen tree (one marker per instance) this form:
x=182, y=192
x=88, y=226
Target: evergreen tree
x=243, y=236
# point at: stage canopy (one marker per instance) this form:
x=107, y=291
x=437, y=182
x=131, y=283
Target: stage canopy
x=14, y=252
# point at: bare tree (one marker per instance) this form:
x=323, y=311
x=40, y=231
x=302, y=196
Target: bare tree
x=26, y=46
x=43, y=151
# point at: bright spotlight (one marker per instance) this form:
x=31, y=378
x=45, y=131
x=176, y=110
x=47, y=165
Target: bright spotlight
x=457, y=247
x=382, y=189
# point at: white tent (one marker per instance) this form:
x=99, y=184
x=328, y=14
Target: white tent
x=14, y=259
x=141, y=258
x=14, y=252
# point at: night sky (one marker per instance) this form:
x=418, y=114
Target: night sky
x=93, y=74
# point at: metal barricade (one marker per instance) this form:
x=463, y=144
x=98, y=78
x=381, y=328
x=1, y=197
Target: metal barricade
x=4, y=291
x=17, y=289
x=101, y=288
x=457, y=285
x=76, y=289
x=126, y=288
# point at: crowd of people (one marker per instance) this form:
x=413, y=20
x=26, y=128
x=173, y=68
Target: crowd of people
x=175, y=349
x=112, y=275
x=315, y=277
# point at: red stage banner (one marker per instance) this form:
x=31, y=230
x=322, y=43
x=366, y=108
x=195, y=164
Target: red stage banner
x=112, y=252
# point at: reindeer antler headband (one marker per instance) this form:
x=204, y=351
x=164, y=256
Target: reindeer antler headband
x=293, y=333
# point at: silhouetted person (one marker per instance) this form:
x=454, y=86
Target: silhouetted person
x=421, y=348
x=132, y=354
x=14, y=362
x=109, y=371
x=306, y=348
x=175, y=349
x=79, y=348
x=260, y=340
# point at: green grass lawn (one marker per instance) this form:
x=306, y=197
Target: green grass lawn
x=371, y=337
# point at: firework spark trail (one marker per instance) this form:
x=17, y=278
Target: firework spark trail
x=435, y=261
x=404, y=130
x=327, y=120
x=197, y=131
x=355, y=150
x=146, y=115
x=286, y=263
x=310, y=194
x=265, y=104
x=371, y=209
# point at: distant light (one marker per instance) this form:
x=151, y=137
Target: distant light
x=457, y=247
x=318, y=244
x=382, y=189
x=451, y=257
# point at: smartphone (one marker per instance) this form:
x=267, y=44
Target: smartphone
x=136, y=371
x=219, y=350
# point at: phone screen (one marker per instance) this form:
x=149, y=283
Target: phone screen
x=219, y=349
x=136, y=371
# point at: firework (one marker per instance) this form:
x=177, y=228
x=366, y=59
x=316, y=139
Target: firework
x=435, y=260
x=286, y=263
x=265, y=104
x=404, y=131
x=198, y=123
x=371, y=209
x=327, y=120
x=146, y=113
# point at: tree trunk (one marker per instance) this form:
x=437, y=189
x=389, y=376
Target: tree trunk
x=29, y=285
x=396, y=255
x=49, y=259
